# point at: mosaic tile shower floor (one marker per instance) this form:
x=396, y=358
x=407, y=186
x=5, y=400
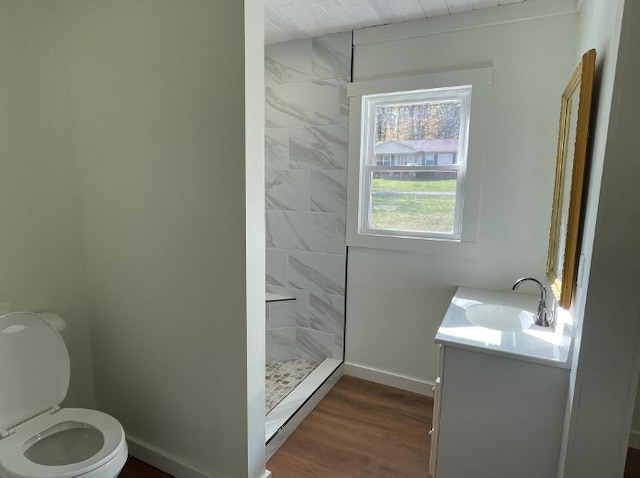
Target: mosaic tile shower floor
x=283, y=376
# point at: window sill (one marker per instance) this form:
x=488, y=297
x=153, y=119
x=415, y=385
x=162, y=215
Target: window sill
x=413, y=244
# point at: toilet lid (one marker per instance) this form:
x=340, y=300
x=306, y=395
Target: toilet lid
x=34, y=368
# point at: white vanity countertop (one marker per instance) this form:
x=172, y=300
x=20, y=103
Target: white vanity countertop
x=545, y=345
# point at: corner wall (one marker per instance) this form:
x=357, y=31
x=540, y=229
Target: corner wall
x=606, y=362
x=397, y=300
x=40, y=246
x=162, y=133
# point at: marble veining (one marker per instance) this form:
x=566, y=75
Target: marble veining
x=288, y=190
x=288, y=62
x=341, y=236
x=281, y=343
x=314, y=272
x=281, y=314
x=276, y=265
x=337, y=86
x=276, y=149
x=278, y=73
x=316, y=344
x=343, y=99
x=331, y=56
x=329, y=191
x=302, y=303
x=304, y=104
x=301, y=231
x=322, y=148
x=326, y=313
x=306, y=139
x=342, y=224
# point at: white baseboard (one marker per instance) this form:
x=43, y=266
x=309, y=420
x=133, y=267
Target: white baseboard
x=167, y=463
x=176, y=467
x=163, y=460
x=634, y=439
x=383, y=377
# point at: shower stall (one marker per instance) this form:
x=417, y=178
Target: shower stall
x=306, y=176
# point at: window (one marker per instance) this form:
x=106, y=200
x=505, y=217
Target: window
x=428, y=159
x=421, y=197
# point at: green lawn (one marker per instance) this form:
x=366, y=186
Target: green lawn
x=433, y=185
x=431, y=212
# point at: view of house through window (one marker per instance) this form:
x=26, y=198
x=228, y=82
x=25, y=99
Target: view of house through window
x=414, y=162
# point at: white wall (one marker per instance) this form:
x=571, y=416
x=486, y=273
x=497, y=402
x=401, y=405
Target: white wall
x=395, y=301
x=605, y=367
x=162, y=129
x=41, y=266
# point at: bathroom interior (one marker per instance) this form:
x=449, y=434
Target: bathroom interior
x=160, y=163
x=306, y=207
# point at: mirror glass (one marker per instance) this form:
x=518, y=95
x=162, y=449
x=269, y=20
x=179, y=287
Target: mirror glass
x=565, y=181
x=570, y=165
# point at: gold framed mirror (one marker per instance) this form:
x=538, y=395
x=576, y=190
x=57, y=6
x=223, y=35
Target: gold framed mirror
x=575, y=110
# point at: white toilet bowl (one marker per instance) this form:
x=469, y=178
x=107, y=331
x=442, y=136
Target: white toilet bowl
x=37, y=438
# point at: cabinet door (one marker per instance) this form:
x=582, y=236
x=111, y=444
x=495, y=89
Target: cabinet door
x=437, y=404
x=503, y=416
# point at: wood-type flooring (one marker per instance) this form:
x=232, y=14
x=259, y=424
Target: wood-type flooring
x=360, y=429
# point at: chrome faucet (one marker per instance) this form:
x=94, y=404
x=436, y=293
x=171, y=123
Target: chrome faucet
x=541, y=315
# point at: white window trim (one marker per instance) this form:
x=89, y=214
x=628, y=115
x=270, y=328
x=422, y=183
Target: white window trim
x=466, y=243
x=369, y=104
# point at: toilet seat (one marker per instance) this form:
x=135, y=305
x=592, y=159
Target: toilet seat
x=12, y=448
x=34, y=373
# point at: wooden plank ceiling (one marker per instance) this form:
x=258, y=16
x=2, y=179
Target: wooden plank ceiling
x=291, y=19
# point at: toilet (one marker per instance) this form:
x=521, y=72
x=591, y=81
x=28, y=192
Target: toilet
x=38, y=439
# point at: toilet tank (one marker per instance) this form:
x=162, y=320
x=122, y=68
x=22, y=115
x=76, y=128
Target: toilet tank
x=54, y=320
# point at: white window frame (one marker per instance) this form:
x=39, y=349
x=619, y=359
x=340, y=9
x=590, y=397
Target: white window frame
x=367, y=156
x=466, y=244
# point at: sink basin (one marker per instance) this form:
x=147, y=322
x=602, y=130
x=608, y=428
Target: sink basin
x=499, y=317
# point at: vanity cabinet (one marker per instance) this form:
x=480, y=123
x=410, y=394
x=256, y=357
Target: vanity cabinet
x=497, y=414
x=496, y=417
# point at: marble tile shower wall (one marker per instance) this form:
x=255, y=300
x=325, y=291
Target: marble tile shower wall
x=306, y=190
